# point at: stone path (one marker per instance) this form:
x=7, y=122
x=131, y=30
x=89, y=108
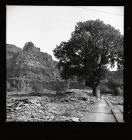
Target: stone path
x=101, y=112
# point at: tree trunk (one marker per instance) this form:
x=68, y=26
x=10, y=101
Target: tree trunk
x=94, y=91
x=117, y=91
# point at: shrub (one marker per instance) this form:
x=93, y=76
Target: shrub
x=105, y=90
x=59, y=87
x=76, y=85
x=9, y=88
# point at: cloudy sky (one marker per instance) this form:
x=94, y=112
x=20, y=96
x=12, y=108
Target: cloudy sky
x=47, y=26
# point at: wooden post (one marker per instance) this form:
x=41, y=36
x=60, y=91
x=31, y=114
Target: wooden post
x=98, y=93
x=24, y=84
x=18, y=85
x=14, y=81
x=21, y=84
x=68, y=83
x=27, y=83
x=83, y=84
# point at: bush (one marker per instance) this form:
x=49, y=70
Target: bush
x=59, y=87
x=9, y=88
x=76, y=85
x=105, y=90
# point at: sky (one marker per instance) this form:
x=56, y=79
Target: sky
x=48, y=26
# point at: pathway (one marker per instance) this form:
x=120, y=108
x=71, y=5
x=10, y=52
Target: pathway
x=103, y=112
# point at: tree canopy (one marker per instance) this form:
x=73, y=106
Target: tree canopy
x=92, y=46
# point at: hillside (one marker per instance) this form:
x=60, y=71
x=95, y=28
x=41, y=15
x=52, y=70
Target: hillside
x=11, y=52
x=30, y=62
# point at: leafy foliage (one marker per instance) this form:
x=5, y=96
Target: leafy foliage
x=92, y=46
x=105, y=90
x=115, y=81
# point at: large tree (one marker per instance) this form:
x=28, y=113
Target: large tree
x=92, y=46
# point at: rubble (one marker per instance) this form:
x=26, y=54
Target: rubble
x=71, y=107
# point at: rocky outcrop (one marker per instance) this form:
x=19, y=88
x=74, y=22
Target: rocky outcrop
x=29, y=46
x=11, y=52
x=30, y=62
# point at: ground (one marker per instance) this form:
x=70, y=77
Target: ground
x=76, y=105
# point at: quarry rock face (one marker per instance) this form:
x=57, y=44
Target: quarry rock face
x=30, y=62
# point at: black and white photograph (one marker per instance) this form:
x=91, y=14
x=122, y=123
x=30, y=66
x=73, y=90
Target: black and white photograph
x=64, y=63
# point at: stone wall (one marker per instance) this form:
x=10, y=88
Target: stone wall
x=50, y=85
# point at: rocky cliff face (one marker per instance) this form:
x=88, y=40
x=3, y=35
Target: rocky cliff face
x=30, y=62
x=11, y=52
